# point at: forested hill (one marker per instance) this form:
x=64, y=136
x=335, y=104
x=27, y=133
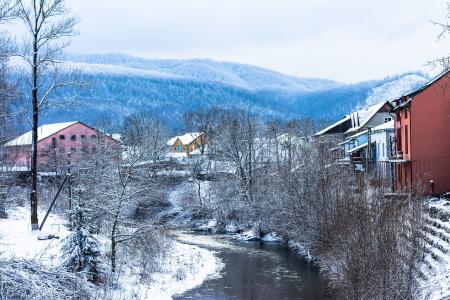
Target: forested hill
x=120, y=84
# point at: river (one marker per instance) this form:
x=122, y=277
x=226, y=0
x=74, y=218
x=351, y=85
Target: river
x=255, y=270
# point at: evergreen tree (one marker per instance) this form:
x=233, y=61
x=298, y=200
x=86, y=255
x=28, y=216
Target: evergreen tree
x=81, y=250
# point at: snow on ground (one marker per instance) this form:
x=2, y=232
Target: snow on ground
x=188, y=267
x=248, y=235
x=18, y=241
x=184, y=267
x=271, y=237
x=435, y=268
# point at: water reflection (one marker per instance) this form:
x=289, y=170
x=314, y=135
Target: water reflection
x=256, y=270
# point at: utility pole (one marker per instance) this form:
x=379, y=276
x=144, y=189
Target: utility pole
x=369, y=149
x=69, y=175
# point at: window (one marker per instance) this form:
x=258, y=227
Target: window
x=94, y=150
x=406, y=113
x=406, y=139
x=387, y=119
x=73, y=137
x=73, y=150
x=44, y=152
x=54, y=142
x=83, y=137
x=93, y=137
x=383, y=149
x=62, y=137
x=180, y=148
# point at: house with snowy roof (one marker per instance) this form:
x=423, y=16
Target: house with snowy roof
x=188, y=143
x=340, y=136
x=359, y=120
x=56, y=141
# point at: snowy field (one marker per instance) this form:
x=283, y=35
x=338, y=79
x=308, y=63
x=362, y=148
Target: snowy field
x=184, y=266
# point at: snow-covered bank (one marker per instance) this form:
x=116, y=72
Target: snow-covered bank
x=182, y=268
x=434, y=273
x=18, y=241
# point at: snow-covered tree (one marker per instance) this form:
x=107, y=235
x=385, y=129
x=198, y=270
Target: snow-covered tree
x=48, y=24
x=81, y=250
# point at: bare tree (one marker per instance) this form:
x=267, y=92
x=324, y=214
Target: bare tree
x=7, y=93
x=48, y=24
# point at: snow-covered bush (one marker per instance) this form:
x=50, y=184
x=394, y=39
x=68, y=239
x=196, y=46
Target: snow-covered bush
x=30, y=280
x=81, y=250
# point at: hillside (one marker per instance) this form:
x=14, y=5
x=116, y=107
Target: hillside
x=117, y=85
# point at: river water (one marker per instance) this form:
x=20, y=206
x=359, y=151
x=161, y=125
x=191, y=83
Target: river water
x=255, y=270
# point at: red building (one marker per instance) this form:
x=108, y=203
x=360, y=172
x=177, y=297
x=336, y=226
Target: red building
x=56, y=141
x=422, y=131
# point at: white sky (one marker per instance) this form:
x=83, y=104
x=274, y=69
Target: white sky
x=347, y=40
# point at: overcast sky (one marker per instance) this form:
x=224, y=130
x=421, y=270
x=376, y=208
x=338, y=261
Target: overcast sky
x=347, y=40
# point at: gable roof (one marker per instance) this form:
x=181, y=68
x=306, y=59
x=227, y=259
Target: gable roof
x=361, y=117
x=420, y=89
x=44, y=131
x=386, y=126
x=185, y=139
x=365, y=115
x=325, y=130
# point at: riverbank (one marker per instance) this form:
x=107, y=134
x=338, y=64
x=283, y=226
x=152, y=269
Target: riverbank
x=254, y=270
x=184, y=267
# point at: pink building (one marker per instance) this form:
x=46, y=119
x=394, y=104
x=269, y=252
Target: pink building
x=56, y=141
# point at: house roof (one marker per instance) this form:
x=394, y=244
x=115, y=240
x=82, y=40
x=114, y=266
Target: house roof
x=385, y=126
x=365, y=115
x=44, y=131
x=421, y=89
x=185, y=139
x=357, y=148
x=325, y=130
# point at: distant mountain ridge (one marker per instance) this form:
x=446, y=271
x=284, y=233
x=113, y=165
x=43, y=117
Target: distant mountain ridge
x=206, y=70
x=121, y=84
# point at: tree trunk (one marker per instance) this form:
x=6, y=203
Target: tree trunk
x=3, y=214
x=113, y=246
x=34, y=139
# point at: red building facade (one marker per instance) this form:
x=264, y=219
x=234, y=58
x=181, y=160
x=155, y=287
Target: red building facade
x=56, y=141
x=422, y=131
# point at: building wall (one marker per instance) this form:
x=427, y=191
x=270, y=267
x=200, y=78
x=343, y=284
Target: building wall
x=430, y=136
x=195, y=144
x=79, y=140
x=19, y=156
x=383, y=144
x=379, y=118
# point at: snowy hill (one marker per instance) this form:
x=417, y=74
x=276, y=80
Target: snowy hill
x=117, y=85
x=204, y=70
x=396, y=88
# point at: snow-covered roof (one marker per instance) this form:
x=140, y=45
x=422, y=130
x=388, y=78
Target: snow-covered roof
x=357, y=135
x=363, y=116
x=433, y=80
x=357, y=148
x=325, y=130
x=185, y=139
x=385, y=126
x=44, y=131
x=116, y=136
x=421, y=89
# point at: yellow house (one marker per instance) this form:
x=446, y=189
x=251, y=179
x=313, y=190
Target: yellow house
x=187, y=143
